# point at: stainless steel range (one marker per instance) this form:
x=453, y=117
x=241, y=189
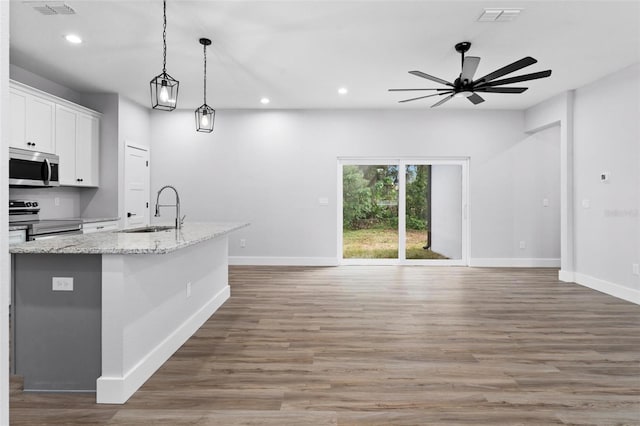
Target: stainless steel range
x=25, y=212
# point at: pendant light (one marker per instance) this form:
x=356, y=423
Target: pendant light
x=164, y=88
x=205, y=114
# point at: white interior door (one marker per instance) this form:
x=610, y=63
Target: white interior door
x=136, y=181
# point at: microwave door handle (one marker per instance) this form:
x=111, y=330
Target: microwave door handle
x=48, y=176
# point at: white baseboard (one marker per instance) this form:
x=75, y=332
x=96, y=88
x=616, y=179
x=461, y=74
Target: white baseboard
x=515, y=262
x=612, y=289
x=282, y=261
x=566, y=276
x=117, y=390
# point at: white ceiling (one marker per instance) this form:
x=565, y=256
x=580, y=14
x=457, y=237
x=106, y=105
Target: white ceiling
x=298, y=53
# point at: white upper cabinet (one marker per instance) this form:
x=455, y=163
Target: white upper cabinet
x=77, y=142
x=87, y=150
x=32, y=122
x=42, y=122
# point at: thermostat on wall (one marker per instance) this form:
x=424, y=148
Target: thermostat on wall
x=604, y=177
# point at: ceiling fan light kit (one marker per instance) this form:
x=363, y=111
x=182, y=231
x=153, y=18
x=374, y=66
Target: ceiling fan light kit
x=164, y=88
x=465, y=86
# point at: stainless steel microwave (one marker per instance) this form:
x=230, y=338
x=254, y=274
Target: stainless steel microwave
x=31, y=168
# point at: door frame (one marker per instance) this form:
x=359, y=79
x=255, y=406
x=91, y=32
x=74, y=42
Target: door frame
x=402, y=162
x=145, y=148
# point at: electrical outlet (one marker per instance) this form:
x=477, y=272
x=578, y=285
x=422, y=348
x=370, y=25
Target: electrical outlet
x=188, y=289
x=636, y=269
x=62, y=283
x=586, y=203
x=243, y=243
x=523, y=244
x=545, y=202
x=56, y=201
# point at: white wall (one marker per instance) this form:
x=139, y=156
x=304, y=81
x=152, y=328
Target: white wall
x=446, y=210
x=4, y=219
x=103, y=201
x=600, y=222
x=536, y=178
x=607, y=138
x=271, y=167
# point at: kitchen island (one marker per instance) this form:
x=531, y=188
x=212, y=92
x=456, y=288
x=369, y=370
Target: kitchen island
x=102, y=312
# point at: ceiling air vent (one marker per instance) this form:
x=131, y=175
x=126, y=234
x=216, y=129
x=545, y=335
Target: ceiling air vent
x=499, y=15
x=51, y=7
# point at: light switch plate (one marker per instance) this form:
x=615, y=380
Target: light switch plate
x=62, y=283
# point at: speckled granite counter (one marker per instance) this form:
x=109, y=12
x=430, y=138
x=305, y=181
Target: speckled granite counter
x=129, y=243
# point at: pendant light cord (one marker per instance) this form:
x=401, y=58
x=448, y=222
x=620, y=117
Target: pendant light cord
x=164, y=38
x=204, y=47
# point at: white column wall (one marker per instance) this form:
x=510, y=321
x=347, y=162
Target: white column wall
x=600, y=222
x=5, y=292
x=607, y=215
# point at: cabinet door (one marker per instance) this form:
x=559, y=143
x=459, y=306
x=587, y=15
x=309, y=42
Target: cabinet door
x=40, y=124
x=18, y=108
x=87, y=150
x=66, y=124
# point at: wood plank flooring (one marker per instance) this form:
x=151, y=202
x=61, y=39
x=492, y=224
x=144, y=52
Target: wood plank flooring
x=387, y=346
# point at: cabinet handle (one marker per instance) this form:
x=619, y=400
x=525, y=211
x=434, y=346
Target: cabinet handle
x=99, y=227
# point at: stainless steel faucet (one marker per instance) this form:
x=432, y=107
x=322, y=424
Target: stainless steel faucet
x=179, y=220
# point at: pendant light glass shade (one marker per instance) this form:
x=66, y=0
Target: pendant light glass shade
x=164, y=88
x=205, y=115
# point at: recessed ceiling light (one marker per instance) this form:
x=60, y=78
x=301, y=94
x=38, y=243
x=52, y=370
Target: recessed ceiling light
x=264, y=101
x=73, y=38
x=343, y=91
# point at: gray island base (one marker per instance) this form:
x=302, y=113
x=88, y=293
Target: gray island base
x=134, y=300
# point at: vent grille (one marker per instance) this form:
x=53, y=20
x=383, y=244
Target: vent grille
x=51, y=7
x=499, y=15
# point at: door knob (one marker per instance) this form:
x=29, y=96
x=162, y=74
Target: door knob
x=129, y=214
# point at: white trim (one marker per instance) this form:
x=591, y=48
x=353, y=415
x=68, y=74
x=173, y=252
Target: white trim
x=405, y=262
x=282, y=261
x=515, y=262
x=566, y=276
x=55, y=99
x=117, y=390
x=612, y=289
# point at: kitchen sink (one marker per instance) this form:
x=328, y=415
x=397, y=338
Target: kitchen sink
x=148, y=229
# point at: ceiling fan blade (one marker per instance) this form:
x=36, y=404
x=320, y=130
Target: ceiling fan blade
x=508, y=69
x=469, y=67
x=501, y=89
x=422, y=97
x=407, y=90
x=475, y=98
x=517, y=79
x=430, y=77
x=442, y=101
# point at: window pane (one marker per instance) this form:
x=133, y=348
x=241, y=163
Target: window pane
x=433, y=212
x=370, y=211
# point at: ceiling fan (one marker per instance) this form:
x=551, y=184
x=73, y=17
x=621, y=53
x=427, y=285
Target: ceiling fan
x=466, y=86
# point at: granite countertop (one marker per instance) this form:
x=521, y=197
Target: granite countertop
x=17, y=227
x=129, y=243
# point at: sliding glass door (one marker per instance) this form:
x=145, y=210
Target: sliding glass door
x=403, y=211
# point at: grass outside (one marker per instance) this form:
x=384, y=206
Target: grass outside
x=383, y=244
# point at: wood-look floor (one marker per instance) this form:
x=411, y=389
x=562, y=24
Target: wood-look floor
x=387, y=345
